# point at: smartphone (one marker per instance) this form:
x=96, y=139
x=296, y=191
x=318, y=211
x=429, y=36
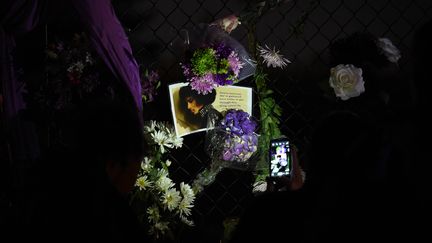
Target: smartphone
x=280, y=157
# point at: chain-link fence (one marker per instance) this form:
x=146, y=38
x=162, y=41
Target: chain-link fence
x=154, y=25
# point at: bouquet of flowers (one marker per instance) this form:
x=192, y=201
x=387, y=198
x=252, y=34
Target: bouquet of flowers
x=211, y=66
x=213, y=57
x=231, y=144
x=71, y=74
x=239, y=139
x=160, y=203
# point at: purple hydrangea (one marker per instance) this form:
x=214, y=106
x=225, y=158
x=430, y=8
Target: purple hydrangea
x=241, y=141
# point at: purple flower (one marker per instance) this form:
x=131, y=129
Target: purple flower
x=186, y=70
x=227, y=155
x=203, y=85
x=222, y=79
x=223, y=51
x=240, y=139
x=149, y=83
x=235, y=63
x=211, y=66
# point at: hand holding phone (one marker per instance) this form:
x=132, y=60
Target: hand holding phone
x=289, y=177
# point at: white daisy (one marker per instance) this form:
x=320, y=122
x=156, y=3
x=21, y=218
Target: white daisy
x=171, y=199
x=143, y=183
x=271, y=57
x=168, y=162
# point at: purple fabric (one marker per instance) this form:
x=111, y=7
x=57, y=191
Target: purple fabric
x=106, y=34
x=111, y=42
x=19, y=16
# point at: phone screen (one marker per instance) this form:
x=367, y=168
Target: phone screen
x=280, y=159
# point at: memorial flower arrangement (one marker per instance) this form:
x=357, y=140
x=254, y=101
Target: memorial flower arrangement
x=231, y=144
x=211, y=66
x=240, y=139
x=71, y=72
x=162, y=204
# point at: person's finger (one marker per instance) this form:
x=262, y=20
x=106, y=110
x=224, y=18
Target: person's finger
x=296, y=177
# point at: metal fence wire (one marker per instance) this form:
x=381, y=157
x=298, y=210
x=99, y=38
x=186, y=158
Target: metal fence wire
x=152, y=26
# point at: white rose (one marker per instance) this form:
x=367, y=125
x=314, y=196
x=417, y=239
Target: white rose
x=347, y=81
x=389, y=50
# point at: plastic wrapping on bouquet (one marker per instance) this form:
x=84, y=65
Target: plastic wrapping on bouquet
x=204, y=34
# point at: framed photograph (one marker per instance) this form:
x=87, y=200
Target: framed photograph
x=191, y=111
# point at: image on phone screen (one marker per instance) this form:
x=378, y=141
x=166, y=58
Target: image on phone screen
x=280, y=159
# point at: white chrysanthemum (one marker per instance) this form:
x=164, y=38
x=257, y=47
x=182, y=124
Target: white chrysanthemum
x=161, y=139
x=177, y=142
x=146, y=164
x=143, y=183
x=187, y=221
x=162, y=173
x=151, y=127
x=153, y=214
x=164, y=184
x=271, y=57
x=159, y=227
x=161, y=125
x=185, y=207
x=186, y=203
x=171, y=199
x=187, y=192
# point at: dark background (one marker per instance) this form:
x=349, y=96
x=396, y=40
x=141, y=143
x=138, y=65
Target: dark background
x=153, y=26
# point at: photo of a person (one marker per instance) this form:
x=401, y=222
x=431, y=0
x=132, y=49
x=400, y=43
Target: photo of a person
x=193, y=112
x=197, y=108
